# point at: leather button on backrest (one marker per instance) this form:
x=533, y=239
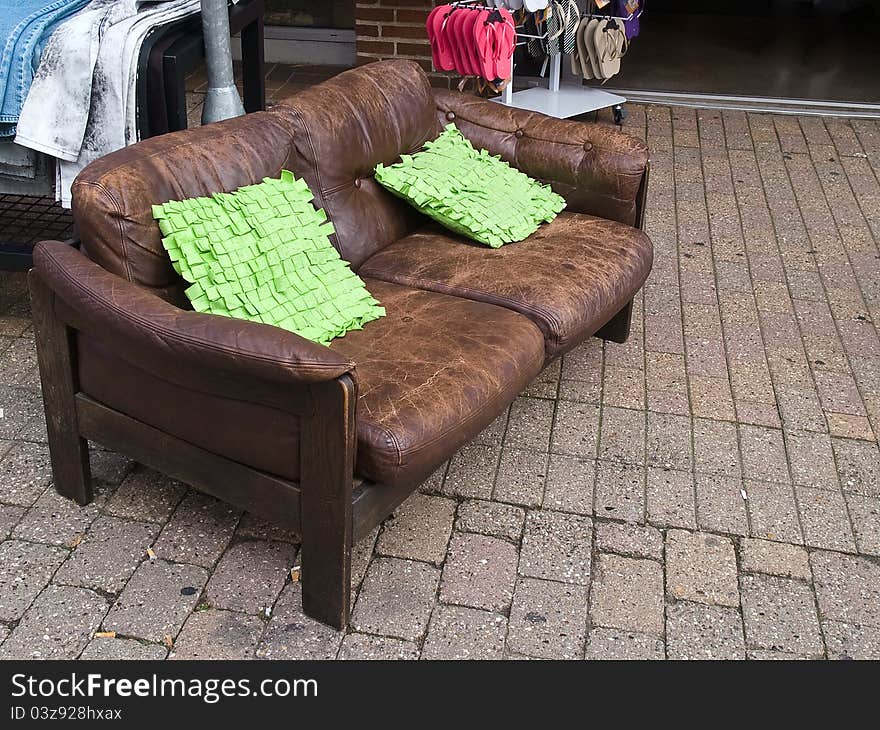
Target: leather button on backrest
x=519, y=133
x=588, y=146
x=357, y=182
x=450, y=116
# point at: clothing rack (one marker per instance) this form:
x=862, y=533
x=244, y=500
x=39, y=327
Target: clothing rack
x=558, y=100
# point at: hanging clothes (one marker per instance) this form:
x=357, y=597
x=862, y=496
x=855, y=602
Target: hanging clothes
x=25, y=26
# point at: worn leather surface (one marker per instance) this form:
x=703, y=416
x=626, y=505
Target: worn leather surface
x=433, y=374
x=569, y=278
x=113, y=197
x=596, y=168
x=254, y=434
x=430, y=375
x=177, y=343
x=346, y=126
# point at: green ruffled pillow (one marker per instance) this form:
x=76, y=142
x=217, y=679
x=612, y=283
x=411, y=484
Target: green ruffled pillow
x=470, y=191
x=262, y=253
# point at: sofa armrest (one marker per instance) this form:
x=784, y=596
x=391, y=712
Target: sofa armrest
x=596, y=168
x=185, y=346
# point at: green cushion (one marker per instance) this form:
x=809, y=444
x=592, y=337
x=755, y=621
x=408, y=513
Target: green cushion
x=262, y=253
x=470, y=191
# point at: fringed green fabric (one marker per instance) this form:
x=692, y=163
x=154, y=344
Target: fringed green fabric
x=263, y=253
x=471, y=192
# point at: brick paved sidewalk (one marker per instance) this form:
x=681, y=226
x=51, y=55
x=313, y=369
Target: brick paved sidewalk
x=710, y=489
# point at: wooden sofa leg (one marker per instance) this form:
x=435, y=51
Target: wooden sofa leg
x=327, y=466
x=69, y=452
x=617, y=328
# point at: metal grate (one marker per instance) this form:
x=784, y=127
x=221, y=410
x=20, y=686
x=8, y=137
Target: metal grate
x=25, y=220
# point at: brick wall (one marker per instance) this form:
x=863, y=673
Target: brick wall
x=395, y=29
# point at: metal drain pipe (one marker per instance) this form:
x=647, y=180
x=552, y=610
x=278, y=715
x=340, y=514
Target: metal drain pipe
x=222, y=100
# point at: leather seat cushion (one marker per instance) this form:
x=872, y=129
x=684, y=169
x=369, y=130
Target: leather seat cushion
x=569, y=278
x=431, y=375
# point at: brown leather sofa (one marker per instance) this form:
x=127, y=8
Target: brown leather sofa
x=327, y=441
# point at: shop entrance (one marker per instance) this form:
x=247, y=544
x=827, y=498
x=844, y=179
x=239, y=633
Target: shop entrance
x=810, y=50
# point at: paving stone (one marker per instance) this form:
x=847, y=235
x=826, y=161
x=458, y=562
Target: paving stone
x=780, y=614
x=763, y=454
x=529, y=424
x=576, y=429
x=865, y=515
x=547, y=619
x=633, y=540
x=811, y=459
x=859, y=465
x=669, y=441
x=569, y=485
x=615, y=645
x=699, y=631
x=251, y=526
x=848, y=588
x=491, y=518
x=118, y=649
x=397, y=598
x=108, y=467
x=620, y=491
x=472, y=472
x=213, y=634
x=456, y=632
x=361, y=553
x=825, y=520
x=775, y=558
x=701, y=567
x=156, y=601
x=773, y=512
x=368, y=647
x=25, y=472
x=146, y=495
x=18, y=364
x=22, y=413
x=623, y=387
x=627, y=594
x=9, y=516
x=108, y=555
x=250, y=575
x=419, y=529
x=670, y=498
x=521, y=477
x=58, y=625
x=479, y=572
x=56, y=520
x=720, y=504
x=25, y=569
x=848, y=641
x=623, y=436
x=764, y=655
x=557, y=546
x=293, y=635
x=198, y=531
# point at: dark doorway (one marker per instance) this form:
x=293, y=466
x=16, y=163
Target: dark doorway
x=825, y=50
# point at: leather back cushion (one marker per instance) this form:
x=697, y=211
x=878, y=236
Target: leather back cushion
x=113, y=197
x=343, y=128
x=596, y=168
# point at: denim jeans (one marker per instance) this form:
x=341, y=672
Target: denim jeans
x=25, y=26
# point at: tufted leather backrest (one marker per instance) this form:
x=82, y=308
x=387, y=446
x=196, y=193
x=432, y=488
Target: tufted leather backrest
x=113, y=196
x=596, y=168
x=343, y=128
